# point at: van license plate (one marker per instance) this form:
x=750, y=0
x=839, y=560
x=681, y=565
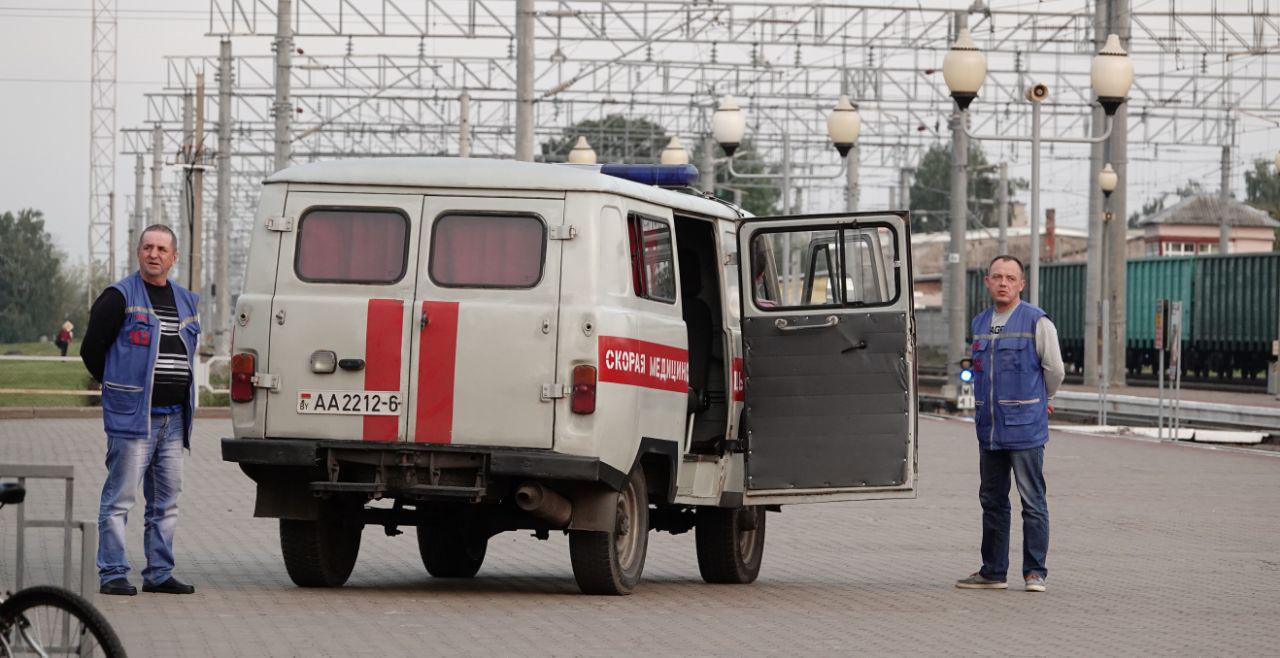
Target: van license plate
x=349, y=403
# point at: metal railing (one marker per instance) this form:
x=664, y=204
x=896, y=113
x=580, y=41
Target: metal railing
x=88, y=529
x=203, y=369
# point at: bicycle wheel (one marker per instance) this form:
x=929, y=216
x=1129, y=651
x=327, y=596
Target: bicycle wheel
x=50, y=621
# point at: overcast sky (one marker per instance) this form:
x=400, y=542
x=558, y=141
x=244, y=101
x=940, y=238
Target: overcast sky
x=44, y=112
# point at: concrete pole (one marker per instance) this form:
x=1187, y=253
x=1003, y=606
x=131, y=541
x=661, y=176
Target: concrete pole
x=1002, y=210
x=1117, y=252
x=524, y=80
x=854, y=191
x=183, y=229
x=197, y=196
x=1224, y=193
x=222, y=248
x=904, y=188
x=1033, y=266
x=957, y=315
x=707, y=166
x=464, y=125
x=1094, y=262
x=283, y=107
x=111, y=236
x=157, y=170
x=138, y=220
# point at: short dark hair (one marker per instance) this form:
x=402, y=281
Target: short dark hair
x=1021, y=268
x=161, y=228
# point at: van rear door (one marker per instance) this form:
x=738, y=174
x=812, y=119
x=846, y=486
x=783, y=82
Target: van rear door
x=485, y=322
x=829, y=357
x=341, y=314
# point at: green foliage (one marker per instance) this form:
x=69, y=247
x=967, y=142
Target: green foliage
x=931, y=190
x=1156, y=204
x=33, y=288
x=1262, y=190
x=615, y=138
x=45, y=375
x=619, y=138
x=759, y=199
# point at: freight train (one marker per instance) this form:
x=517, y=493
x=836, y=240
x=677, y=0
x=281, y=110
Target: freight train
x=1231, y=311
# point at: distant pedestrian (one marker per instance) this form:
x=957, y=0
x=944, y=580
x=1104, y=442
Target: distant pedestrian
x=1017, y=370
x=64, y=337
x=140, y=344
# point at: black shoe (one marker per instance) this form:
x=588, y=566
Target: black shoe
x=171, y=586
x=118, y=587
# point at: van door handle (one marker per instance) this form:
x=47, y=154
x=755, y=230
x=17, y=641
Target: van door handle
x=784, y=325
x=423, y=321
x=351, y=364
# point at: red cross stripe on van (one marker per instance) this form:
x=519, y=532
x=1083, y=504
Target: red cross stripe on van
x=384, y=329
x=641, y=363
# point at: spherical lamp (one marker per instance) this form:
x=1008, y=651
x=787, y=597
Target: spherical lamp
x=843, y=125
x=728, y=125
x=582, y=153
x=964, y=69
x=1111, y=75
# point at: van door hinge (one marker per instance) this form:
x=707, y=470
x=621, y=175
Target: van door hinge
x=267, y=381
x=563, y=232
x=282, y=224
x=552, y=392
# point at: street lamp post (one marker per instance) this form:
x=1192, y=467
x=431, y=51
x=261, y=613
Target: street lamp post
x=582, y=153
x=1111, y=76
x=729, y=125
x=1107, y=181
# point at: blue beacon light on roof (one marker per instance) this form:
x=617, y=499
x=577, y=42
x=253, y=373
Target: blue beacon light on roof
x=654, y=174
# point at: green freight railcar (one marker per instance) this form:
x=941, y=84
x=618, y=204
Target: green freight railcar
x=1235, y=310
x=1231, y=307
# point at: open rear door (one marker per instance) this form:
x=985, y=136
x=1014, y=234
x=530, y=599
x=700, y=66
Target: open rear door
x=829, y=357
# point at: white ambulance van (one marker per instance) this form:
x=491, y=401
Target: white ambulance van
x=471, y=346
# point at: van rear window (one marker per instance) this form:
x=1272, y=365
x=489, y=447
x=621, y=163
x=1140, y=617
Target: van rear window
x=350, y=245
x=488, y=251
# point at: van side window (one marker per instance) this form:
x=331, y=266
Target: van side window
x=352, y=245
x=842, y=266
x=653, y=271
x=487, y=251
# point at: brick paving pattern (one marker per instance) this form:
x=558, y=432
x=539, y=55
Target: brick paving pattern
x=1156, y=549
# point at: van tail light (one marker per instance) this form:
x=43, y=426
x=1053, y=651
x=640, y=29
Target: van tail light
x=243, y=366
x=583, y=398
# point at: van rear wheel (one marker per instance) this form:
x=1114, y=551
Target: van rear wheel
x=611, y=562
x=320, y=553
x=451, y=550
x=730, y=544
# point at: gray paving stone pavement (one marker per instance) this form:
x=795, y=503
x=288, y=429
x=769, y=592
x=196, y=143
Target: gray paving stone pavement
x=1156, y=549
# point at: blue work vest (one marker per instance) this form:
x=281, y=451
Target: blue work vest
x=1011, y=403
x=131, y=360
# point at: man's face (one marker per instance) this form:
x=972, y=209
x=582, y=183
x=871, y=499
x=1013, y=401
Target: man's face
x=1004, y=281
x=156, y=255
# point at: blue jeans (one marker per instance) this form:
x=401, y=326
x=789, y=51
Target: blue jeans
x=155, y=463
x=1028, y=471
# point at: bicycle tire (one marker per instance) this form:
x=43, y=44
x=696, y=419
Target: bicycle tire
x=20, y=607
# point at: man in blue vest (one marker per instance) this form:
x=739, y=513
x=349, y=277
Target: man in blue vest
x=141, y=344
x=1017, y=369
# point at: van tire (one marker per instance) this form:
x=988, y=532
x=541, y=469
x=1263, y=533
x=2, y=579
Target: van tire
x=320, y=553
x=451, y=550
x=730, y=550
x=611, y=562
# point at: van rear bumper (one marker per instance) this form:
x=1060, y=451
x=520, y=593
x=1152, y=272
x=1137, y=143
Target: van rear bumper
x=514, y=463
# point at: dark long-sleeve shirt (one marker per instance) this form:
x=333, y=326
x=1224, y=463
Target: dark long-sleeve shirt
x=172, y=370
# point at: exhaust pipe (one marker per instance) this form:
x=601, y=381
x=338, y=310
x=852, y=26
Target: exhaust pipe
x=544, y=504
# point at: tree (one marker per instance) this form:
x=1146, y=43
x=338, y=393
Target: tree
x=615, y=138
x=931, y=190
x=1262, y=190
x=1155, y=204
x=33, y=287
x=619, y=138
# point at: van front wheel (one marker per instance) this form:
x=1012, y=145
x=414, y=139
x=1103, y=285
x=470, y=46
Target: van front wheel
x=611, y=562
x=730, y=544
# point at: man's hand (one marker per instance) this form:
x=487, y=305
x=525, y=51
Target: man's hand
x=1051, y=408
